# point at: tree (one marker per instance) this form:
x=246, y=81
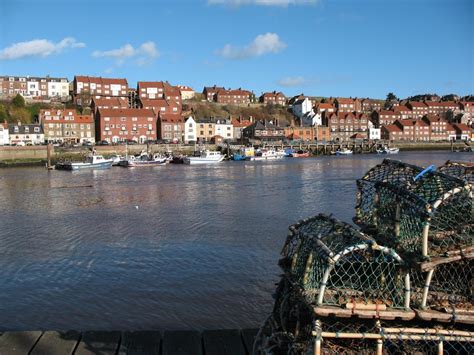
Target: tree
x=20, y=115
x=391, y=97
x=3, y=114
x=18, y=101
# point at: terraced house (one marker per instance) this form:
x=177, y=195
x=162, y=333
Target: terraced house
x=29, y=134
x=234, y=97
x=67, y=126
x=87, y=87
x=118, y=125
x=343, y=125
x=273, y=98
x=34, y=87
x=170, y=127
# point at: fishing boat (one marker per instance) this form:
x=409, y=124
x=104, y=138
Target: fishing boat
x=387, y=150
x=344, y=151
x=144, y=159
x=116, y=159
x=90, y=162
x=204, y=157
x=239, y=157
x=267, y=154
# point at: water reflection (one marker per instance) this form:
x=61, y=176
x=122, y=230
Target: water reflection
x=167, y=247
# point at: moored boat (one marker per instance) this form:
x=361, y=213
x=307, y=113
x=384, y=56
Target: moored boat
x=204, y=157
x=344, y=151
x=268, y=154
x=300, y=154
x=239, y=157
x=144, y=159
x=90, y=162
x=387, y=150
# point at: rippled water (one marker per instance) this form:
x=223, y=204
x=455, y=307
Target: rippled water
x=172, y=247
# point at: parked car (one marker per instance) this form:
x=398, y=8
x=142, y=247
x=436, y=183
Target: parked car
x=103, y=143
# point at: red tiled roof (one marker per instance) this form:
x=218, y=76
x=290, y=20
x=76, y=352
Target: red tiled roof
x=416, y=104
x=442, y=104
x=100, y=80
x=170, y=117
x=120, y=101
x=392, y=128
x=185, y=88
x=461, y=126
x=343, y=100
x=401, y=109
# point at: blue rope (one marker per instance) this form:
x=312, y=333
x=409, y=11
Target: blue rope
x=431, y=168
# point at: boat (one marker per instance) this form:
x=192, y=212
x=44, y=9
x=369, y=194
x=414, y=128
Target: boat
x=116, y=159
x=204, y=157
x=300, y=154
x=268, y=154
x=344, y=151
x=90, y=162
x=144, y=159
x=387, y=150
x=239, y=157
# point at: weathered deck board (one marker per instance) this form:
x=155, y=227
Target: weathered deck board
x=223, y=342
x=182, y=343
x=140, y=343
x=60, y=343
x=12, y=343
x=98, y=343
x=248, y=336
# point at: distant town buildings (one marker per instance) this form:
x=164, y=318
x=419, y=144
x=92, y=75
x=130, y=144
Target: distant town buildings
x=34, y=87
x=25, y=134
x=67, y=126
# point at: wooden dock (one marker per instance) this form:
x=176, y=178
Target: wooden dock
x=209, y=342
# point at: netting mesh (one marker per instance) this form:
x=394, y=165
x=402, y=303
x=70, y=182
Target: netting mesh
x=461, y=170
x=412, y=295
x=430, y=215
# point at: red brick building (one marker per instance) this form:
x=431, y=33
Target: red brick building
x=66, y=126
x=441, y=108
x=234, y=97
x=414, y=130
x=467, y=107
x=343, y=125
x=116, y=125
x=419, y=109
x=159, y=90
x=171, y=127
x=276, y=98
x=391, y=132
x=463, y=131
x=109, y=102
x=404, y=111
x=318, y=133
x=160, y=106
x=210, y=92
x=348, y=104
x=438, y=127
x=369, y=105
x=87, y=87
x=384, y=117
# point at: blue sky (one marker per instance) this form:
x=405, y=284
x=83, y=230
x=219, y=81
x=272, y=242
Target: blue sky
x=363, y=48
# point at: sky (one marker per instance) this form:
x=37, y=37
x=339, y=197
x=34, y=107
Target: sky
x=363, y=48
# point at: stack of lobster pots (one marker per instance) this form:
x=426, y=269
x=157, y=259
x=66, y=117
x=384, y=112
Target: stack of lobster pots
x=401, y=281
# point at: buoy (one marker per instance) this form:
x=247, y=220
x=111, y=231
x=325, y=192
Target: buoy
x=136, y=207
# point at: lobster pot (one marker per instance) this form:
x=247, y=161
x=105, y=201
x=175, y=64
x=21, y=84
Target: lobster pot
x=446, y=291
x=411, y=223
x=460, y=170
x=345, y=269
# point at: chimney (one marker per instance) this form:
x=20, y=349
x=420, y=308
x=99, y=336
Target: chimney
x=251, y=119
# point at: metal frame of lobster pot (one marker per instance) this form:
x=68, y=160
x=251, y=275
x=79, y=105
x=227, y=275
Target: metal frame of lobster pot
x=422, y=213
x=342, y=272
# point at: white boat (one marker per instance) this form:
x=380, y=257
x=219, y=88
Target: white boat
x=344, y=151
x=387, y=150
x=91, y=162
x=204, y=157
x=268, y=154
x=144, y=159
x=116, y=159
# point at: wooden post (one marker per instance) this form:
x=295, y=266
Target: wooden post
x=48, y=154
x=440, y=348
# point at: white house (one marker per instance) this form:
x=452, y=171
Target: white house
x=224, y=128
x=58, y=88
x=186, y=92
x=4, y=136
x=33, y=88
x=374, y=133
x=302, y=106
x=26, y=133
x=190, y=130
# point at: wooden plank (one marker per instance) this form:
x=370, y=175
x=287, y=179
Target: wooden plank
x=59, y=343
x=18, y=342
x=467, y=253
x=140, y=343
x=182, y=343
x=97, y=342
x=248, y=336
x=390, y=314
x=223, y=342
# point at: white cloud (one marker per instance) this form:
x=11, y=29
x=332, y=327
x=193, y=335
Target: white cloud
x=292, y=81
x=39, y=48
x=281, y=3
x=262, y=44
x=144, y=54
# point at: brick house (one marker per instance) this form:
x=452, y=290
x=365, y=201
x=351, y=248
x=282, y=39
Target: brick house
x=170, y=127
x=67, y=126
x=118, y=125
x=275, y=98
x=347, y=104
x=187, y=93
x=318, y=133
x=87, y=87
x=264, y=131
x=391, y=132
x=414, y=130
x=438, y=127
x=343, y=125
x=463, y=132
x=368, y=105
x=467, y=107
x=109, y=102
x=451, y=132
x=404, y=112
x=34, y=87
x=384, y=117
x=210, y=92
x=441, y=108
x=160, y=106
x=239, y=126
x=234, y=97
x=159, y=90
x=205, y=128
x=419, y=109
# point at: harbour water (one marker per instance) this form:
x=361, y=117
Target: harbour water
x=173, y=247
